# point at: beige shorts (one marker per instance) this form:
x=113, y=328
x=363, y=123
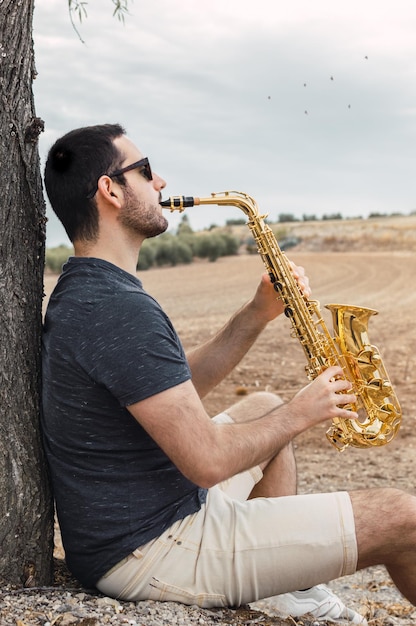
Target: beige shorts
x=234, y=551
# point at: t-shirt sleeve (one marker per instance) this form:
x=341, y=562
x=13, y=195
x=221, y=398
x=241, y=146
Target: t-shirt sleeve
x=131, y=348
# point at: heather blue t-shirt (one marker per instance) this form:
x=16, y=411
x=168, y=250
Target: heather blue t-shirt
x=108, y=344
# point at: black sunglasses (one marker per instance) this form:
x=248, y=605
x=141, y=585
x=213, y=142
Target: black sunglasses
x=146, y=170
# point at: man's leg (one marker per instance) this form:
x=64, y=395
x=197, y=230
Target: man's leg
x=385, y=519
x=280, y=479
x=279, y=473
x=385, y=522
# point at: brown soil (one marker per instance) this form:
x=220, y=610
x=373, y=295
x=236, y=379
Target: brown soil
x=200, y=297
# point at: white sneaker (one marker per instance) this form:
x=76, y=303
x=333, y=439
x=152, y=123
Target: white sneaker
x=320, y=601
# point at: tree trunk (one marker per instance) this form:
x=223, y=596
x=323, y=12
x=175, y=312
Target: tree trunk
x=26, y=512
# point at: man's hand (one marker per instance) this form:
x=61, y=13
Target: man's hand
x=323, y=399
x=267, y=300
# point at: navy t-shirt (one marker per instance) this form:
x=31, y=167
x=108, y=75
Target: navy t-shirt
x=108, y=344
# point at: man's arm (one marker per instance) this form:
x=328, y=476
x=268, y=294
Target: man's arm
x=214, y=360
x=208, y=453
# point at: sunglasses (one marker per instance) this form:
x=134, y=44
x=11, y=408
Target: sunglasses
x=146, y=171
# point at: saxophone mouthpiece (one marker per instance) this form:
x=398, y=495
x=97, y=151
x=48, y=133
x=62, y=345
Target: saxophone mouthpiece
x=179, y=203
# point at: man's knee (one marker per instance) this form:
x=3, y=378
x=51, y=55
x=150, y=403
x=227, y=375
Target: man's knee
x=385, y=519
x=254, y=406
x=388, y=500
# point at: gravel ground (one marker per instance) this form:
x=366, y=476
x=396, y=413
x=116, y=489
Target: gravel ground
x=67, y=604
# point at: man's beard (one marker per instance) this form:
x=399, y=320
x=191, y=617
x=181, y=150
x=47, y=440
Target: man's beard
x=141, y=218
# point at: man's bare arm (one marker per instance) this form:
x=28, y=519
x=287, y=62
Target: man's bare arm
x=208, y=453
x=215, y=359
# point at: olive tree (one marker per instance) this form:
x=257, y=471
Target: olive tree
x=26, y=507
x=25, y=500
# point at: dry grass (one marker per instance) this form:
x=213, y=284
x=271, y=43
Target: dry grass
x=387, y=233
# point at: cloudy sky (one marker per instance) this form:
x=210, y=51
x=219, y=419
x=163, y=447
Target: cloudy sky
x=309, y=106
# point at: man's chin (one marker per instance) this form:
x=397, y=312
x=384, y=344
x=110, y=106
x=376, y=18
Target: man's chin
x=160, y=229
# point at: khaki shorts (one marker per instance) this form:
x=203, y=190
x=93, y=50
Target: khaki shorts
x=235, y=551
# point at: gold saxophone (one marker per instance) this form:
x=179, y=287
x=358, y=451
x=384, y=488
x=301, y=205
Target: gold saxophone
x=377, y=405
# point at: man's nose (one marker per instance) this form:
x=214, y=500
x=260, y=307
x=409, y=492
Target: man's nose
x=158, y=181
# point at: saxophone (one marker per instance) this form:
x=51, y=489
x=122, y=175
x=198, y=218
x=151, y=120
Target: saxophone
x=377, y=405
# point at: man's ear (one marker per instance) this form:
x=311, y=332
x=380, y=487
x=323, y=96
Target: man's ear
x=109, y=191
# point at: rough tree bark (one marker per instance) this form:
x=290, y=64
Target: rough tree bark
x=26, y=515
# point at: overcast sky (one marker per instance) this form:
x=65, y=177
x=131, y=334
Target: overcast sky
x=308, y=106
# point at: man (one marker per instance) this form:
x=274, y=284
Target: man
x=155, y=500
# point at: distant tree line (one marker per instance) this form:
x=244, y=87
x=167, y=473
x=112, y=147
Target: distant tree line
x=182, y=248
x=56, y=257
x=186, y=245
x=289, y=217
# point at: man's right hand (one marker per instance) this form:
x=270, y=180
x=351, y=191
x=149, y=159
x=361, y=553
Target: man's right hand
x=323, y=399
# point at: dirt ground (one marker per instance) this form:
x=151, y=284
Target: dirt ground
x=200, y=297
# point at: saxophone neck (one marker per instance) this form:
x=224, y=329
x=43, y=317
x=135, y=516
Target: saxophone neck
x=243, y=201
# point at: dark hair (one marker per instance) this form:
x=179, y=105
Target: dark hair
x=74, y=164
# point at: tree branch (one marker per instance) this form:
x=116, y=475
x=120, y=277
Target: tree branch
x=78, y=7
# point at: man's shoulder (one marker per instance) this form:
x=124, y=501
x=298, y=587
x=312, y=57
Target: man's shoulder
x=105, y=295
x=95, y=272
x=93, y=280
